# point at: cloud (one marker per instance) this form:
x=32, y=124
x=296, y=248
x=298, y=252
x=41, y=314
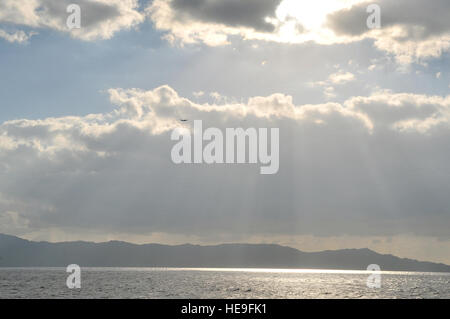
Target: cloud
x=163, y=107
x=198, y=94
x=410, y=30
x=233, y=13
x=419, y=21
x=403, y=112
x=370, y=166
x=212, y=21
x=341, y=77
x=100, y=19
x=17, y=36
x=329, y=92
x=338, y=78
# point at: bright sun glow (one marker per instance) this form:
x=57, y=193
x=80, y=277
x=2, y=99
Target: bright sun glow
x=311, y=14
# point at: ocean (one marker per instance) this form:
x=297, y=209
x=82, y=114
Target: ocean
x=174, y=283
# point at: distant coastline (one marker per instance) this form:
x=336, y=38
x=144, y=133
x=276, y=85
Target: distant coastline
x=17, y=252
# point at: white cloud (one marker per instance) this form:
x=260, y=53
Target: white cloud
x=100, y=19
x=341, y=77
x=403, y=111
x=355, y=164
x=198, y=94
x=16, y=36
x=330, y=92
x=407, y=51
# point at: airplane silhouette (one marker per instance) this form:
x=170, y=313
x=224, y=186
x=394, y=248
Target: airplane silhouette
x=183, y=120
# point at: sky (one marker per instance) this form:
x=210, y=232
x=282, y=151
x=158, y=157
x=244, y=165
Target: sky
x=86, y=117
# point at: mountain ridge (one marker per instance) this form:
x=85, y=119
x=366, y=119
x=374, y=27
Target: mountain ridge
x=18, y=252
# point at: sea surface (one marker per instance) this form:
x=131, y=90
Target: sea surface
x=171, y=283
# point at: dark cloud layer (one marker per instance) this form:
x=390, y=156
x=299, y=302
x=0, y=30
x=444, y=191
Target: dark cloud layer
x=92, y=13
x=236, y=13
x=421, y=19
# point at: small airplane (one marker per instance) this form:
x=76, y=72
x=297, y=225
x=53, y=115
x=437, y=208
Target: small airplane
x=183, y=120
